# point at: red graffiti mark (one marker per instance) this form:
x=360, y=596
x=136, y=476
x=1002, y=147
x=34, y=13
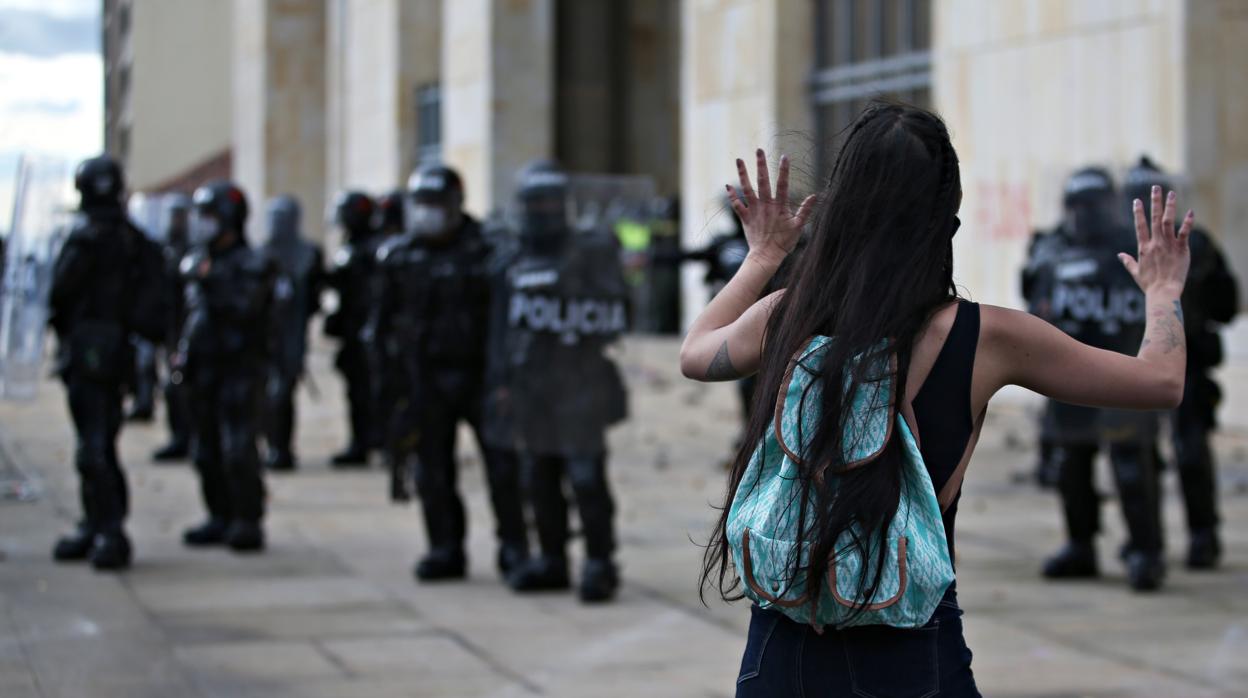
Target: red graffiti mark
x=1003, y=210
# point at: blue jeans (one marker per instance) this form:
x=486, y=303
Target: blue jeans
x=785, y=658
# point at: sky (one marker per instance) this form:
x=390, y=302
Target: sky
x=51, y=85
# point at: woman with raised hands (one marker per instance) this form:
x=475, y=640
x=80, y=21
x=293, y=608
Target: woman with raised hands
x=878, y=271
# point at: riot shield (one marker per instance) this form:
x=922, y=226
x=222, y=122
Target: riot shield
x=39, y=225
x=624, y=206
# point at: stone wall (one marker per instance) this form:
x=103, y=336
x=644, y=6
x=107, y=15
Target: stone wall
x=1032, y=90
x=180, y=86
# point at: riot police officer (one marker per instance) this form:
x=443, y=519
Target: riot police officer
x=565, y=305
x=353, y=277
x=177, y=409
x=106, y=286
x=296, y=298
x=222, y=354
x=1035, y=281
x=435, y=303
x=1094, y=299
x=385, y=361
x=1210, y=298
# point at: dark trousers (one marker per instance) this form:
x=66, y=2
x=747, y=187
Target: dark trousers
x=1135, y=473
x=587, y=476
x=279, y=415
x=786, y=658
x=145, y=377
x=96, y=411
x=224, y=446
x=353, y=362
x=453, y=396
x=1193, y=421
x=177, y=410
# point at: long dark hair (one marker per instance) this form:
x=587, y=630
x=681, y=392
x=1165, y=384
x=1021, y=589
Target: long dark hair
x=879, y=262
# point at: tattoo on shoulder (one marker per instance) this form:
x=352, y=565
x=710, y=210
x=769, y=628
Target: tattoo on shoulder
x=721, y=368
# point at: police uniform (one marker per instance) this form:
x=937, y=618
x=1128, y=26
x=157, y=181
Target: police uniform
x=353, y=276
x=224, y=349
x=566, y=303
x=177, y=406
x=296, y=298
x=106, y=287
x=435, y=305
x=1094, y=300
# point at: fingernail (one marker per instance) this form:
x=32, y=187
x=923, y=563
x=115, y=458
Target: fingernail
x=758, y=152
x=1156, y=189
x=1137, y=203
x=1171, y=196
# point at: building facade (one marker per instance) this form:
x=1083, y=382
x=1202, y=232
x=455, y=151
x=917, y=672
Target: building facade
x=167, y=90
x=325, y=95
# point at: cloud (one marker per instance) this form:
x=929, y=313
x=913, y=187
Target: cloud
x=50, y=108
x=44, y=34
x=58, y=8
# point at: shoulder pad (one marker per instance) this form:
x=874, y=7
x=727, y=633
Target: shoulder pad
x=386, y=249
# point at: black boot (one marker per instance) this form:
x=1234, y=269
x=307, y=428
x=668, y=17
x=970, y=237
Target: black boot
x=441, y=565
x=210, y=532
x=1204, y=550
x=175, y=450
x=110, y=551
x=511, y=557
x=353, y=456
x=74, y=546
x=1075, y=561
x=140, y=413
x=245, y=536
x=541, y=573
x=280, y=462
x=599, y=581
x=1145, y=571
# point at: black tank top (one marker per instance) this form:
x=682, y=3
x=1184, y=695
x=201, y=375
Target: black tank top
x=942, y=407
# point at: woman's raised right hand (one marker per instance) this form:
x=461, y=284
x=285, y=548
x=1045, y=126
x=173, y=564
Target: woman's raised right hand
x=1163, y=256
x=771, y=225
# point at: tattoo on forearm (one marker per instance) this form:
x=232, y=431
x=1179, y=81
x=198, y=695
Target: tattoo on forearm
x=1168, y=329
x=721, y=368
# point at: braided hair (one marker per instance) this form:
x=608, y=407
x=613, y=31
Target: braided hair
x=878, y=264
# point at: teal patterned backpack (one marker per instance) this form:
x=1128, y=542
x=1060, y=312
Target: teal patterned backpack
x=763, y=519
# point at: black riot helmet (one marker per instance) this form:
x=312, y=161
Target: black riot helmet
x=542, y=199
x=433, y=208
x=100, y=182
x=217, y=208
x=388, y=218
x=1141, y=179
x=353, y=210
x=1088, y=199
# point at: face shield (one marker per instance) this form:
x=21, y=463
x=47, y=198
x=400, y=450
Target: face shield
x=204, y=227
x=544, y=219
x=1089, y=219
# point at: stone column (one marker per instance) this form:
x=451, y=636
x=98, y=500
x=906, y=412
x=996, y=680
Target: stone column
x=744, y=65
x=279, y=106
x=497, y=92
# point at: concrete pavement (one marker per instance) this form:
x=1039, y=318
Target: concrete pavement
x=332, y=610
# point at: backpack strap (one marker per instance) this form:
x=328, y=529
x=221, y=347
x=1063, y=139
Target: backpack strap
x=782, y=396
